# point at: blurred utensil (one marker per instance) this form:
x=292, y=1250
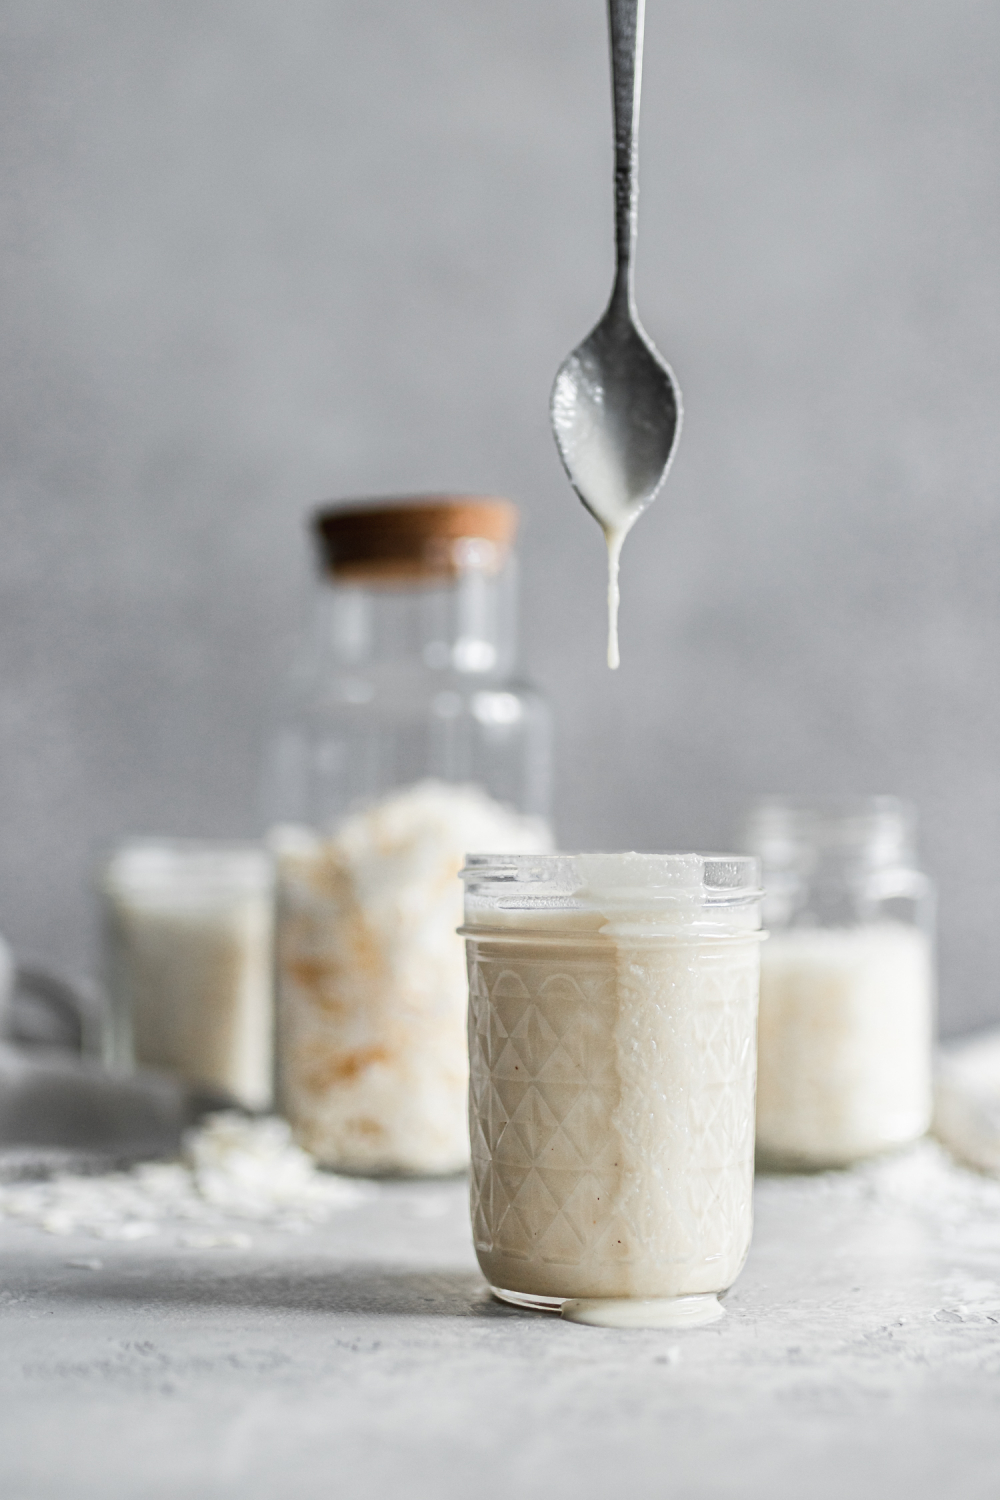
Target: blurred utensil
x=60, y=1110
x=64, y=1113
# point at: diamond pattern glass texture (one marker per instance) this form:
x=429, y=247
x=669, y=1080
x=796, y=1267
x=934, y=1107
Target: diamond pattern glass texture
x=611, y=1114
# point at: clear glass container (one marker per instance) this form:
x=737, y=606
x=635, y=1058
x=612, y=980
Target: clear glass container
x=188, y=962
x=408, y=740
x=847, y=997
x=612, y=1024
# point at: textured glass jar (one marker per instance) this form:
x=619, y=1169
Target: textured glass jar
x=407, y=740
x=613, y=1009
x=847, y=981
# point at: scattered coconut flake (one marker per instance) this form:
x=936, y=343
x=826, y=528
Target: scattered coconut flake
x=213, y=1239
x=430, y=1208
x=233, y=1168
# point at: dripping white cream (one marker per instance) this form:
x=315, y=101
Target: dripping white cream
x=597, y=461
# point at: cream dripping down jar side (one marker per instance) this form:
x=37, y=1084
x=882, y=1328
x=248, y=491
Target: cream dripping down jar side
x=612, y=1038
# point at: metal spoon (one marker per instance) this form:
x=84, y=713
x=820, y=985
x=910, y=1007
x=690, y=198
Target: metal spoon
x=616, y=408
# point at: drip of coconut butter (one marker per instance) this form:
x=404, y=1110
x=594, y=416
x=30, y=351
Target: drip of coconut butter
x=614, y=540
x=596, y=455
x=606, y=492
x=644, y=1312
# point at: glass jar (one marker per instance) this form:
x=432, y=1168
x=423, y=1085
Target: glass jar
x=408, y=741
x=188, y=960
x=612, y=1023
x=847, y=981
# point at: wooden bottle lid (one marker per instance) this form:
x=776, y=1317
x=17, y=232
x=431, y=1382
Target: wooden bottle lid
x=414, y=539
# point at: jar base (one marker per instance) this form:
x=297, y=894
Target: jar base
x=623, y=1312
x=526, y=1299
x=778, y=1162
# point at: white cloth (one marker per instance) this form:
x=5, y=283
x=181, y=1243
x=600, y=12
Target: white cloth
x=967, y=1100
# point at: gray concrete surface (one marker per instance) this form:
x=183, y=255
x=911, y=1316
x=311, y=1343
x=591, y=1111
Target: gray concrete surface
x=258, y=254
x=860, y=1355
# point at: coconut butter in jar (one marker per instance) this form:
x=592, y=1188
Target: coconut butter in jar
x=612, y=1027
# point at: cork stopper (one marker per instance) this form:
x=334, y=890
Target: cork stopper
x=413, y=540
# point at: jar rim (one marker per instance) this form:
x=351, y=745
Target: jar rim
x=880, y=826
x=144, y=864
x=573, y=880
x=834, y=804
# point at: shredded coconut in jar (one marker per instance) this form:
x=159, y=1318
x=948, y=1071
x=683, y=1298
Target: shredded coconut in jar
x=372, y=988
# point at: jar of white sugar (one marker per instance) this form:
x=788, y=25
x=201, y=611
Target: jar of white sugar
x=408, y=740
x=847, y=996
x=612, y=1024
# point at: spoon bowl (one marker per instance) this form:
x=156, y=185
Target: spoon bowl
x=616, y=413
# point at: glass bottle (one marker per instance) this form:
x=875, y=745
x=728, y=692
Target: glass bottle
x=847, y=995
x=408, y=741
x=612, y=1021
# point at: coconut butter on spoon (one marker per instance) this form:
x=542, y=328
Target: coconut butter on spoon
x=616, y=408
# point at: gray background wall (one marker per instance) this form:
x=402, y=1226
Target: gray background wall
x=259, y=254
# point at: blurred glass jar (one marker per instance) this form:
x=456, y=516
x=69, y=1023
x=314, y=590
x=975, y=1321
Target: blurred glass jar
x=847, y=992
x=407, y=743
x=188, y=961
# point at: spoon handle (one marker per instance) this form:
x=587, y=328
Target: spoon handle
x=625, y=22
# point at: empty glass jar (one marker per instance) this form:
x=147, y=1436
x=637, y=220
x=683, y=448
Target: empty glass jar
x=408, y=740
x=847, y=981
